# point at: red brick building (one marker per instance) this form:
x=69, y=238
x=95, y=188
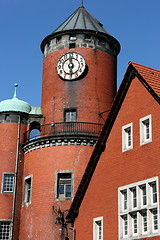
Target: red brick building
x=67, y=175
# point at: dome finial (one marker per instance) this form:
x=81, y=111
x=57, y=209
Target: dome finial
x=15, y=91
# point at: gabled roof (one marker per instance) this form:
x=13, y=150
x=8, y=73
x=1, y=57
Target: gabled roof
x=152, y=76
x=81, y=19
x=145, y=76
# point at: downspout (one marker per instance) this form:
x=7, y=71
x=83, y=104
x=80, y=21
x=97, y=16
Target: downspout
x=15, y=178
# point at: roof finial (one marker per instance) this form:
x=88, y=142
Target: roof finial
x=15, y=91
x=81, y=3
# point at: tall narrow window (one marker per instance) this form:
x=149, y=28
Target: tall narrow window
x=98, y=228
x=144, y=222
x=8, y=183
x=127, y=138
x=155, y=219
x=125, y=226
x=124, y=195
x=144, y=195
x=4, y=230
x=134, y=197
x=154, y=192
x=70, y=115
x=134, y=223
x=145, y=130
x=27, y=190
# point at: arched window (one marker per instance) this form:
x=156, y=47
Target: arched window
x=34, y=130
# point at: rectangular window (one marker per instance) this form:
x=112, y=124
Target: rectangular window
x=154, y=192
x=73, y=37
x=144, y=222
x=134, y=224
x=144, y=195
x=70, y=115
x=134, y=197
x=127, y=137
x=8, y=183
x=145, y=130
x=138, y=209
x=64, y=185
x=155, y=219
x=5, y=230
x=59, y=39
x=124, y=195
x=125, y=226
x=27, y=190
x=98, y=228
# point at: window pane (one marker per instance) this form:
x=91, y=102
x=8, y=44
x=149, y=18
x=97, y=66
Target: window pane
x=125, y=225
x=68, y=191
x=61, y=189
x=144, y=195
x=4, y=230
x=8, y=183
x=134, y=193
x=144, y=222
x=155, y=219
x=134, y=217
x=154, y=192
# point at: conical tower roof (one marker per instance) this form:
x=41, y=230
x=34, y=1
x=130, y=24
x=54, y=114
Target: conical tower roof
x=79, y=21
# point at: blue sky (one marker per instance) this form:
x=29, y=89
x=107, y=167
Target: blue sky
x=25, y=23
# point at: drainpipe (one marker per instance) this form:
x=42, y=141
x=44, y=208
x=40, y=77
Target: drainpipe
x=15, y=177
x=74, y=230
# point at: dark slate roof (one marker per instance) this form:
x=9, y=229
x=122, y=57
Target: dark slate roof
x=81, y=19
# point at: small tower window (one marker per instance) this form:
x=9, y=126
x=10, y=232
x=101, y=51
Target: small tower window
x=70, y=115
x=59, y=39
x=7, y=117
x=73, y=37
x=27, y=190
x=72, y=45
x=87, y=37
x=34, y=132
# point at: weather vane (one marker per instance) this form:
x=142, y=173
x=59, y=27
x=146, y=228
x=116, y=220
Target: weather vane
x=81, y=3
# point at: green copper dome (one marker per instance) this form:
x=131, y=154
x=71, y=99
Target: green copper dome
x=14, y=104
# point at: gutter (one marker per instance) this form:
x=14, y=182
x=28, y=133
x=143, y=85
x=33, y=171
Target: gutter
x=15, y=178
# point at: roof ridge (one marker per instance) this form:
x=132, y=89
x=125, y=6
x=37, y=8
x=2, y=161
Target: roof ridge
x=143, y=66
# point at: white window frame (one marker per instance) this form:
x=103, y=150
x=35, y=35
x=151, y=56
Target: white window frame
x=143, y=134
x=57, y=173
x=133, y=224
x=96, y=228
x=25, y=193
x=3, y=177
x=125, y=137
x=139, y=210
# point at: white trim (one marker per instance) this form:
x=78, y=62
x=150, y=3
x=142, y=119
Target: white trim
x=95, y=220
x=25, y=202
x=3, y=174
x=127, y=143
x=143, y=134
x=139, y=209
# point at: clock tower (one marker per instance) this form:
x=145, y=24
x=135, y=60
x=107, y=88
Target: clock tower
x=79, y=84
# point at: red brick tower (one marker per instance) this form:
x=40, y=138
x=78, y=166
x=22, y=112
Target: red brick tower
x=14, y=115
x=79, y=83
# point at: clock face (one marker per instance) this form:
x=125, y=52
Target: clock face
x=70, y=66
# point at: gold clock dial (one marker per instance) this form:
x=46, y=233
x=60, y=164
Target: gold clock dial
x=70, y=66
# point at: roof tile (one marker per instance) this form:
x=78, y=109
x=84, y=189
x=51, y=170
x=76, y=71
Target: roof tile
x=150, y=75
